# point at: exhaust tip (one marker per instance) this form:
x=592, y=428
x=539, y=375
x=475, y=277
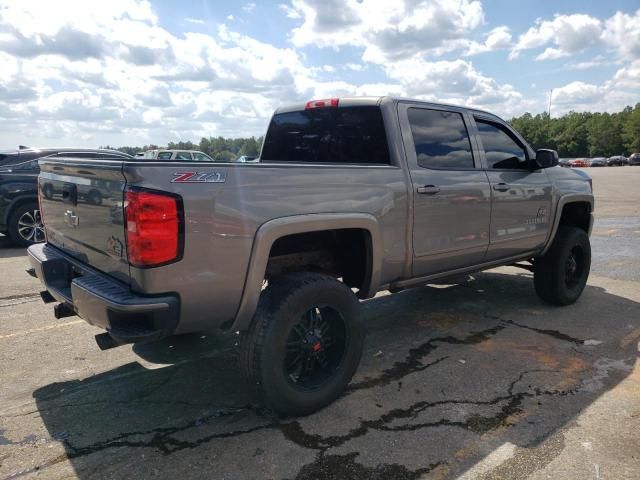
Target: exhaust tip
x=106, y=341
x=62, y=310
x=46, y=297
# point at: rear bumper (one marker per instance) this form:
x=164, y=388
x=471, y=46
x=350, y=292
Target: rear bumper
x=103, y=301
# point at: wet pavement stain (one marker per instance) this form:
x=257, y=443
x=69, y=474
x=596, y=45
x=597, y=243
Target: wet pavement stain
x=551, y=333
x=344, y=467
x=326, y=465
x=413, y=362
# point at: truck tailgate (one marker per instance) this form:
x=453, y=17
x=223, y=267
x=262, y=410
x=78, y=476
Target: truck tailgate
x=82, y=207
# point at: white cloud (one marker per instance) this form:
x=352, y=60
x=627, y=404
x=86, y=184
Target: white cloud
x=568, y=34
x=386, y=30
x=249, y=7
x=121, y=75
x=610, y=96
x=497, y=39
x=197, y=21
x=622, y=32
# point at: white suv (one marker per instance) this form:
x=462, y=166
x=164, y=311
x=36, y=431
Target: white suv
x=186, y=155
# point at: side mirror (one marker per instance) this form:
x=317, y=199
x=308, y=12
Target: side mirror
x=545, y=158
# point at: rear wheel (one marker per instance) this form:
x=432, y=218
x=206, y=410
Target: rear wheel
x=304, y=344
x=561, y=274
x=25, y=225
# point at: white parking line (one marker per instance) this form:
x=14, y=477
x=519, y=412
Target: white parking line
x=41, y=329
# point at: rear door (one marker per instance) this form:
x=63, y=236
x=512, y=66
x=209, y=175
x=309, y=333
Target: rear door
x=521, y=197
x=82, y=207
x=451, y=197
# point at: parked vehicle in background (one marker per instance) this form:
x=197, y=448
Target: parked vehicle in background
x=598, y=162
x=351, y=196
x=19, y=213
x=579, y=162
x=175, y=155
x=565, y=162
x=617, y=161
x=634, y=159
x=247, y=159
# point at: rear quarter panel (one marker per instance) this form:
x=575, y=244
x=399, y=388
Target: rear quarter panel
x=221, y=221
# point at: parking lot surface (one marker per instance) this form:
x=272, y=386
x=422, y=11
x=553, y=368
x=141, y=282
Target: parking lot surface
x=474, y=380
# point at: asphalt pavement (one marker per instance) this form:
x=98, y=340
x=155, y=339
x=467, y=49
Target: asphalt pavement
x=473, y=380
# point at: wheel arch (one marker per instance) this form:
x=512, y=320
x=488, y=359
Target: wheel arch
x=567, y=204
x=17, y=203
x=271, y=231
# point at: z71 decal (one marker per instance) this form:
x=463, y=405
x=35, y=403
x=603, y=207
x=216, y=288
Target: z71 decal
x=199, y=177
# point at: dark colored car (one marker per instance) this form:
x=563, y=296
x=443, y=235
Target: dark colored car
x=565, y=162
x=634, y=159
x=598, y=162
x=19, y=213
x=617, y=161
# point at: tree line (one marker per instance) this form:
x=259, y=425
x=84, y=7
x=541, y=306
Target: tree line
x=576, y=134
x=218, y=148
x=583, y=134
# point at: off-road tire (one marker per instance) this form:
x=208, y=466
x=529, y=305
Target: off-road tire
x=263, y=347
x=552, y=277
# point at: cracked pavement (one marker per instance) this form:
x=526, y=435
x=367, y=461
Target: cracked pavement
x=475, y=380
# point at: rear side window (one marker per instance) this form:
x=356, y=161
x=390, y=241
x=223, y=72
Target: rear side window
x=164, y=156
x=328, y=135
x=502, y=150
x=440, y=139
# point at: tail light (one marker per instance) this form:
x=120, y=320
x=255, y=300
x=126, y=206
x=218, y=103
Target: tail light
x=326, y=102
x=154, y=227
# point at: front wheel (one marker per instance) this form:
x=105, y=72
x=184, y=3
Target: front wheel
x=304, y=344
x=561, y=274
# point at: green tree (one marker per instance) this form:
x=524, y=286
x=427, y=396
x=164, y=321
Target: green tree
x=631, y=130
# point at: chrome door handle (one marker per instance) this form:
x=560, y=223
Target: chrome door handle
x=501, y=187
x=429, y=189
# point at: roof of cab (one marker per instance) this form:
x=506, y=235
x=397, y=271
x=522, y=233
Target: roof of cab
x=372, y=101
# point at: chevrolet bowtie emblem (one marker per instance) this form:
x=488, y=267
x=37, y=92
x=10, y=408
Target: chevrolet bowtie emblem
x=71, y=218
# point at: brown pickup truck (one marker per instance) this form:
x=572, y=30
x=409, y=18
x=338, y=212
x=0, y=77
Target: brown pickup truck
x=349, y=197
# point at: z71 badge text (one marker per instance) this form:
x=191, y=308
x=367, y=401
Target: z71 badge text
x=199, y=177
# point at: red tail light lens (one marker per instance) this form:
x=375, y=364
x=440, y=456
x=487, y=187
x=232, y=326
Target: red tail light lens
x=154, y=228
x=326, y=102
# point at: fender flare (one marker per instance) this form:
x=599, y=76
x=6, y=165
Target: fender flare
x=562, y=201
x=272, y=230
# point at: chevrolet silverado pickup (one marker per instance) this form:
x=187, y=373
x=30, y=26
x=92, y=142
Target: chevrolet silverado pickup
x=350, y=196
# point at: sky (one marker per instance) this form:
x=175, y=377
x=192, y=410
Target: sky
x=87, y=73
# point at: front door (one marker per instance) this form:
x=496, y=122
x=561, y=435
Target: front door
x=521, y=197
x=451, y=196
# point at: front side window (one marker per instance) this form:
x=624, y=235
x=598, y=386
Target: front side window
x=164, y=156
x=502, y=149
x=183, y=156
x=342, y=135
x=440, y=139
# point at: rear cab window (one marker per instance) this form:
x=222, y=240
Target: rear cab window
x=440, y=139
x=333, y=135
